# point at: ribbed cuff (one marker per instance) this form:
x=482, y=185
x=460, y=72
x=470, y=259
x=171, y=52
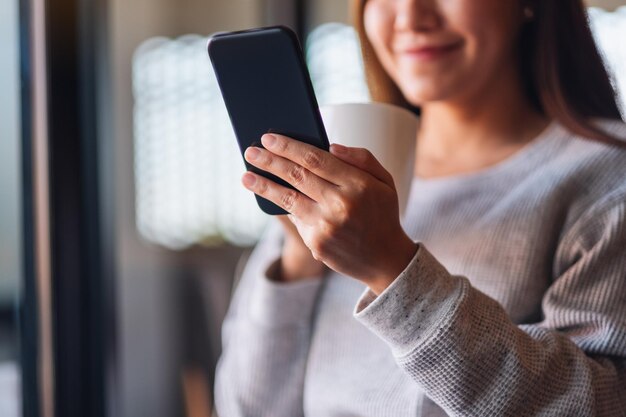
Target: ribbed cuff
x=281, y=304
x=418, y=302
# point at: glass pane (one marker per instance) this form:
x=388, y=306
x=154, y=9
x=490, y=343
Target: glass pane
x=10, y=219
x=182, y=218
x=609, y=29
x=334, y=60
x=187, y=162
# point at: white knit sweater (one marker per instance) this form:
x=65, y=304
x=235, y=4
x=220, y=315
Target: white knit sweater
x=514, y=305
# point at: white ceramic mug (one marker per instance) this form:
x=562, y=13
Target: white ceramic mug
x=389, y=132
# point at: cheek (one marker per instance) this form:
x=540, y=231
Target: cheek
x=378, y=24
x=378, y=21
x=489, y=29
x=491, y=32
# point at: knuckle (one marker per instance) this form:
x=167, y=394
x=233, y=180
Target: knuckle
x=268, y=160
x=263, y=187
x=342, y=209
x=296, y=174
x=288, y=199
x=330, y=236
x=312, y=159
x=360, y=187
x=281, y=145
x=364, y=155
x=328, y=230
x=319, y=246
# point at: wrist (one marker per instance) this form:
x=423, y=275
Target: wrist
x=399, y=260
x=297, y=263
x=293, y=270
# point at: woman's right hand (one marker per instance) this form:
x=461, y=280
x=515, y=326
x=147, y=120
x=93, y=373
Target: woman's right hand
x=297, y=262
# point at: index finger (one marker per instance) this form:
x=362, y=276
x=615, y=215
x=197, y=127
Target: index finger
x=321, y=163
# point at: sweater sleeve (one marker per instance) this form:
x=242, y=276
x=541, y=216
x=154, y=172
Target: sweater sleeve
x=471, y=359
x=265, y=338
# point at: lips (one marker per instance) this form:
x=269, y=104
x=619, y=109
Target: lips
x=429, y=52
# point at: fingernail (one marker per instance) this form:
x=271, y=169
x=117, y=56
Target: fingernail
x=268, y=140
x=252, y=153
x=249, y=180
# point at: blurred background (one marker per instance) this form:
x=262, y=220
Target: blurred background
x=123, y=224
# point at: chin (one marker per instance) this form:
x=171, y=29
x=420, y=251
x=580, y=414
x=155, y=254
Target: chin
x=420, y=96
x=426, y=90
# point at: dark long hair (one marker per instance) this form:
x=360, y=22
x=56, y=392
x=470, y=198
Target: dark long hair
x=562, y=70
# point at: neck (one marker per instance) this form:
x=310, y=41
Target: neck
x=471, y=133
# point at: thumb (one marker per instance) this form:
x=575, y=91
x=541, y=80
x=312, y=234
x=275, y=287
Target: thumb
x=362, y=159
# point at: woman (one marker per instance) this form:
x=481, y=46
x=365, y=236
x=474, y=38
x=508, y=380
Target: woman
x=504, y=290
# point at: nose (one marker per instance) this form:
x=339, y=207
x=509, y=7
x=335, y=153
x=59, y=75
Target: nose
x=417, y=15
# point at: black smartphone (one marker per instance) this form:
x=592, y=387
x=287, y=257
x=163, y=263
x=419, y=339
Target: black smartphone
x=266, y=86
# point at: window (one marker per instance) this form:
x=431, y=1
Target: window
x=335, y=64
x=10, y=218
x=609, y=29
x=187, y=163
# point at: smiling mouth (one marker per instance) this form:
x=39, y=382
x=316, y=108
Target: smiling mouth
x=430, y=53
